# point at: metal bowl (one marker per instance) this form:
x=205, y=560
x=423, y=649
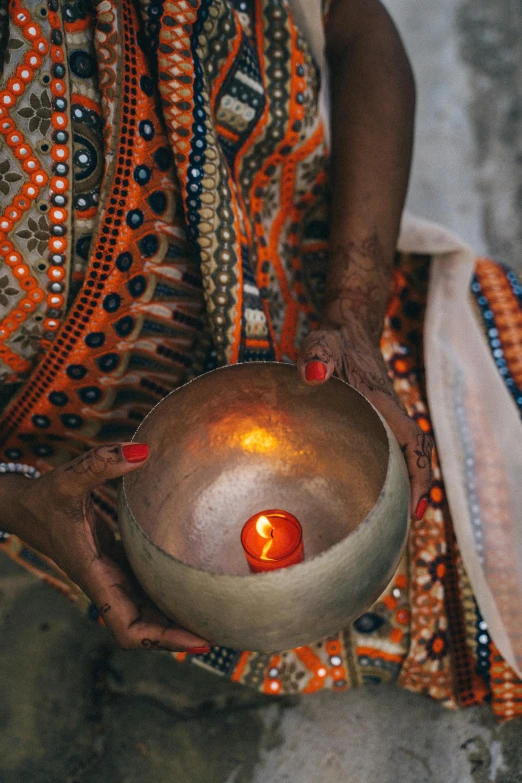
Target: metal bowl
x=251, y=437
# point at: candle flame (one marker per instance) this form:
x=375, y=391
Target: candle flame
x=266, y=530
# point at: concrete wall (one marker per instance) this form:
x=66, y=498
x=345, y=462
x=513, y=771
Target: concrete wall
x=467, y=172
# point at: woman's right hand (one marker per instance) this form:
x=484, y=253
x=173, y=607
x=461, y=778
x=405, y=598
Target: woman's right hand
x=55, y=515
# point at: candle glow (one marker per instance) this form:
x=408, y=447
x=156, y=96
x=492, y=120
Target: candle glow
x=272, y=539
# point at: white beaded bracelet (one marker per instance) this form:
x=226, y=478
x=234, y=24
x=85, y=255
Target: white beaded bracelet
x=17, y=467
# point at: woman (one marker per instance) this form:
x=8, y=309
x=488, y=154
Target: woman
x=163, y=178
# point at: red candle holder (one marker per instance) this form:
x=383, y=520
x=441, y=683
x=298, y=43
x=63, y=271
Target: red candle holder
x=272, y=539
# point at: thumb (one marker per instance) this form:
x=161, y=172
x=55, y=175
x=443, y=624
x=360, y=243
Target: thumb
x=99, y=465
x=315, y=362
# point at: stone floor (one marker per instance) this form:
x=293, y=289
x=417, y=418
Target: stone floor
x=74, y=709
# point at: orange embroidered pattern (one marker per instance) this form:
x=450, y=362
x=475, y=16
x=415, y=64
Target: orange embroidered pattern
x=36, y=179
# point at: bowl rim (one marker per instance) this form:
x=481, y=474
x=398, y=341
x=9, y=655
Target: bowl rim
x=275, y=574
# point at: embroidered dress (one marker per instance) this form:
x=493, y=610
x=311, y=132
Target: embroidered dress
x=163, y=210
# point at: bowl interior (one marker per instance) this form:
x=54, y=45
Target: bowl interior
x=247, y=438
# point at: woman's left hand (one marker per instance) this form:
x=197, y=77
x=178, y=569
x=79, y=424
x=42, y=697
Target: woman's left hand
x=349, y=352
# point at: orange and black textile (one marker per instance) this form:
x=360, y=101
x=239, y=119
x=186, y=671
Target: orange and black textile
x=163, y=210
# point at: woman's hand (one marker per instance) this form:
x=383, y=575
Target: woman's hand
x=55, y=514
x=352, y=354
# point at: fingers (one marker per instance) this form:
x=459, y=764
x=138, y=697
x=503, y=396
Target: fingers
x=99, y=465
x=316, y=362
x=86, y=553
x=417, y=448
x=417, y=452
x=134, y=621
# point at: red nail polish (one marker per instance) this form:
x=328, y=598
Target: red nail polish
x=315, y=371
x=421, y=508
x=135, y=452
x=198, y=650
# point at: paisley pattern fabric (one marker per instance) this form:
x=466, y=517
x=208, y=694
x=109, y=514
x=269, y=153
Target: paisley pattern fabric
x=163, y=200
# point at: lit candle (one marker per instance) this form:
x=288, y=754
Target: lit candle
x=272, y=539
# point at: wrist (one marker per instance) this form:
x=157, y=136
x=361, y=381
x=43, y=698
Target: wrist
x=358, y=283
x=339, y=313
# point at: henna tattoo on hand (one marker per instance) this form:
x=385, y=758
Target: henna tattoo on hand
x=369, y=381
x=96, y=460
x=423, y=450
x=152, y=644
x=318, y=349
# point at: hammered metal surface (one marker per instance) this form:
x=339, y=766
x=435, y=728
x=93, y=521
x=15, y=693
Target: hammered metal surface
x=243, y=439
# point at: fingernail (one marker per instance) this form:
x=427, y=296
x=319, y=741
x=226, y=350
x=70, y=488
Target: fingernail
x=135, y=452
x=315, y=371
x=198, y=650
x=421, y=508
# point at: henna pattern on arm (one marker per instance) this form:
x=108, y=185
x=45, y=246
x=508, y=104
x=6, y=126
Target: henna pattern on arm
x=358, y=283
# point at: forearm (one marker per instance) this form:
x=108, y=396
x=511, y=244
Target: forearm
x=372, y=113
